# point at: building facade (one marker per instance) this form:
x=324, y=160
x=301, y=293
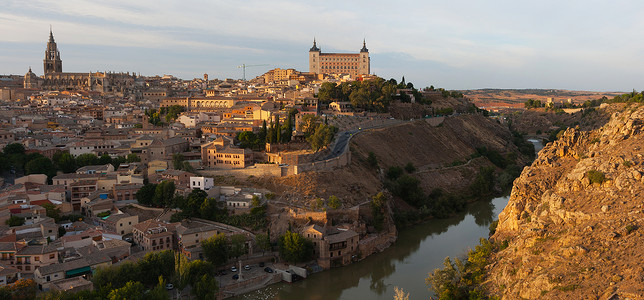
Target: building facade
x=354, y=64
x=55, y=79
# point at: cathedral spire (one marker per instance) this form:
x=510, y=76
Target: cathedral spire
x=52, y=62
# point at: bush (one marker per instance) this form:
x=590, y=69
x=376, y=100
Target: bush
x=595, y=176
x=394, y=172
x=372, y=160
x=409, y=167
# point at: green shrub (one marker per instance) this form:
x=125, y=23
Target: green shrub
x=595, y=176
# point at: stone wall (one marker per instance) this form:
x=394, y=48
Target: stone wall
x=376, y=243
x=324, y=165
x=301, y=214
x=239, y=287
x=255, y=170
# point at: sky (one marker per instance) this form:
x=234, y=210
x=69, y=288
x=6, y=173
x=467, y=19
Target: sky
x=456, y=44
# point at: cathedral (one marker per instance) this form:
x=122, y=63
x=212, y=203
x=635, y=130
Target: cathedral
x=55, y=79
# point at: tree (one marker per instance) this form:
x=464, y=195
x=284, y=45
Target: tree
x=116, y=162
x=209, y=210
x=237, y=245
x=15, y=221
x=261, y=136
x=158, y=292
x=377, y=210
x=295, y=248
x=309, y=124
x=156, y=264
x=409, y=167
x=131, y=290
x=173, y=113
x=15, y=156
x=164, y=193
x=334, y=202
x=52, y=211
x=327, y=92
x=23, y=289
x=145, y=195
x=177, y=160
x=64, y=162
x=132, y=157
x=195, y=200
x=205, y=288
x=270, y=135
x=360, y=99
x=14, y=148
x=263, y=241
x=248, y=139
x=216, y=249
x=278, y=131
x=105, y=159
x=41, y=165
x=399, y=294
x=86, y=159
x=255, y=201
x=322, y=136
x=372, y=160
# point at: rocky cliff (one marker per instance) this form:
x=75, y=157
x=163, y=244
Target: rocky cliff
x=573, y=226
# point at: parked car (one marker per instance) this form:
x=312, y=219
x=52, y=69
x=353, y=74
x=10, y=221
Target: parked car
x=247, y=267
x=169, y=286
x=268, y=270
x=236, y=276
x=261, y=264
x=233, y=269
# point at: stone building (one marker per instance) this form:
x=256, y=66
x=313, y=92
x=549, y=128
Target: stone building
x=152, y=235
x=55, y=79
x=354, y=64
x=332, y=246
x=219, y=154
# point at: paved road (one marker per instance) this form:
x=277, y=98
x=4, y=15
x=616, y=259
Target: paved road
x=341, y=143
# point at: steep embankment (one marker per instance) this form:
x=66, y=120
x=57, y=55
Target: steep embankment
x=574, y=221
x=540, y=121
x=429, y=148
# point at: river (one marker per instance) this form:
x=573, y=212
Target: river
x=418, y=250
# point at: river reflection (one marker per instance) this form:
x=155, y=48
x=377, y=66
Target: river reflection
x=418, y=250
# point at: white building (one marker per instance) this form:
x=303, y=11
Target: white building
x=202, y=183
x=95, y=147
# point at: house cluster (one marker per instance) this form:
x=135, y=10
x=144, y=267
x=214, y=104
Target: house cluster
x=81, y=223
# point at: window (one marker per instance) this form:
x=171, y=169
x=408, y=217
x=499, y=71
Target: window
x=52, y=256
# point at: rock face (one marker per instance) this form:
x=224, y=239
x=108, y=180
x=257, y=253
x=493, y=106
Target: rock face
x=569, y=233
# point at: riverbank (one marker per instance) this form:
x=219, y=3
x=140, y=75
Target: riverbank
x=418, y=250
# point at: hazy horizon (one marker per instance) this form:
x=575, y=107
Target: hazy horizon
x=460, y=45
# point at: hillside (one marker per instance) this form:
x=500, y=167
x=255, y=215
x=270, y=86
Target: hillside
x=573, y=226
x=431, y=147
x=488, y=98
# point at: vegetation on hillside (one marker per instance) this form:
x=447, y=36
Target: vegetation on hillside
x=462, y=279
x=146, y=279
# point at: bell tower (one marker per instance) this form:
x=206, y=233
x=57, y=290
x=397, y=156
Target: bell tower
x=52, y=62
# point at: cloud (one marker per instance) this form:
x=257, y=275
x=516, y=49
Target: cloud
x=474, y=43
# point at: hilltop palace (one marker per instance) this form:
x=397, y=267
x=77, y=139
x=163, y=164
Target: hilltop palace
x=354, y=64
x=55, y=79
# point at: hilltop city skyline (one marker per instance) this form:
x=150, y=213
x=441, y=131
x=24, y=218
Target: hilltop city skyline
x=459, y=45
